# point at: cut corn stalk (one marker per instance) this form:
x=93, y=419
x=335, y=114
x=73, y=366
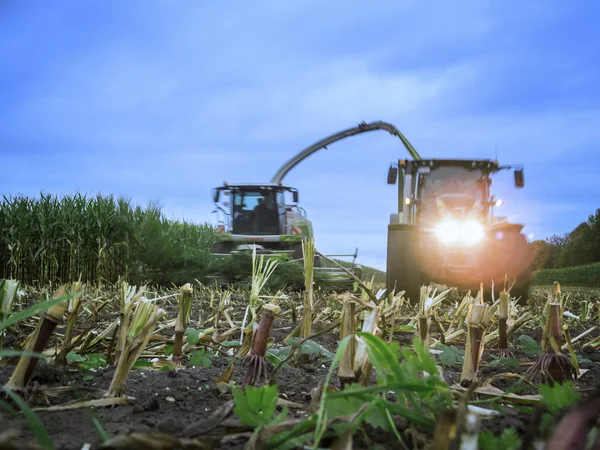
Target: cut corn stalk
x=361, y=357
x=183, y=316
x=552, y=365
x=137, y=334
x=257, y=369
x=346, y=372
x=502, y=325
x=428, y=302
x=224, y=301
x=39, y=339
x=308, y=252
x=460, y=315
x=479, y=320
x=8, y=293
x=579, y=337
x=491, y=338
x=73, y=310
x=261, y=272
x=571, y=349
x=128, y=298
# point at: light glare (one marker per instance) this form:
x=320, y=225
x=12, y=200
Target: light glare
x=469, y=231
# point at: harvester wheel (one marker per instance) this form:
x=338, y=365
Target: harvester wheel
x=403, y=268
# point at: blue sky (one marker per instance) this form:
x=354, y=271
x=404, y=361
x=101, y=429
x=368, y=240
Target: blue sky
x=158, y=100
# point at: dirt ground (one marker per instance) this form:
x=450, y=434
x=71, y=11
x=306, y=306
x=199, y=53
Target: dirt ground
x=177, y=402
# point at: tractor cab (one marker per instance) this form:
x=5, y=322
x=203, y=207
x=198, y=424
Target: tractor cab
x=254, y=209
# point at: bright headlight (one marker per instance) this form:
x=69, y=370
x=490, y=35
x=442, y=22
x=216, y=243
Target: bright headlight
x=468, y=231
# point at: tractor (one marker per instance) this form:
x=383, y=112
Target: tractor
x=445, y=230
x=265, y=215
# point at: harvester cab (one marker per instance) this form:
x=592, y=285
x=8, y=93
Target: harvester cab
x=267, y=215
x=445, y=230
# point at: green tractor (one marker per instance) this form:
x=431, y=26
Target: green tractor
x=267, y=215
x=445, y=230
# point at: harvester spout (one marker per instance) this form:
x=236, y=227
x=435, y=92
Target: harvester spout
x=323, y=143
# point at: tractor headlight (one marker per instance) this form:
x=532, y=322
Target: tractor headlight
x=459, y=231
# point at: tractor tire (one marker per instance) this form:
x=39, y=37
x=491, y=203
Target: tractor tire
x=517, y=262
x=403, y=271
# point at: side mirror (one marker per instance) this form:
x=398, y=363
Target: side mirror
x=295, y=196
x=392, y=175
x=519, y=178
x=216, y=193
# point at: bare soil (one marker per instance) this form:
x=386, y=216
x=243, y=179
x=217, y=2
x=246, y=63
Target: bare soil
x=179, y=402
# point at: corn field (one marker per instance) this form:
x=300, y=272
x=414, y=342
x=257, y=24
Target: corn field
x=50, y=240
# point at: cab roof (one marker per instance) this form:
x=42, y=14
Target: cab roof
x=241, y=186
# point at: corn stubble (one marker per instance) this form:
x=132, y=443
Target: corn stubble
x=479, y=319
x=553, y=366
x=139, y=317
x=346, y=373
x=36, y=343
x=258, y=364
x=183, y=316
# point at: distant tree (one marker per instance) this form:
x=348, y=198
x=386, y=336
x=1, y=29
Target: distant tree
x=583, y=246
x=542, y=251
x=557, y=245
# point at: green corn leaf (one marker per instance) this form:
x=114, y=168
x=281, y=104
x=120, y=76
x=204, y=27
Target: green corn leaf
x=42, y=306
x=381, y=356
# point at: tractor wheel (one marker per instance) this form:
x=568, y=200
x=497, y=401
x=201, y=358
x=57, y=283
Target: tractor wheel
x=403, y=268
x=517, y=258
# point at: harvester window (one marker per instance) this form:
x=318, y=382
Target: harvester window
x=256, y=212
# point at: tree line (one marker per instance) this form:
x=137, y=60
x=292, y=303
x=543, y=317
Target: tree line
x=579, y=247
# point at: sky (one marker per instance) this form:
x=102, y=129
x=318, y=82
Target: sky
x=162, y=101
